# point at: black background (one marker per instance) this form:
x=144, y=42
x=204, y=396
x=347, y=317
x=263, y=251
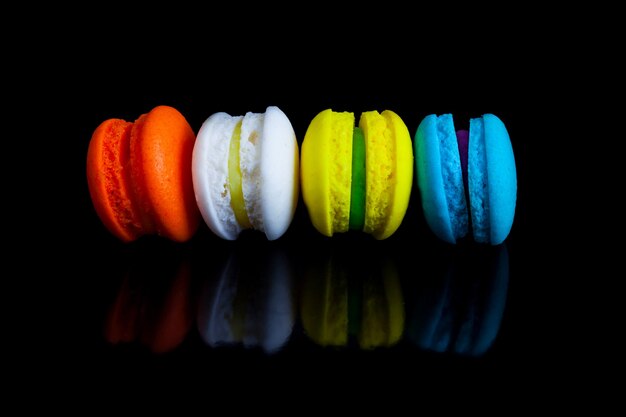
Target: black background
x=547, y=339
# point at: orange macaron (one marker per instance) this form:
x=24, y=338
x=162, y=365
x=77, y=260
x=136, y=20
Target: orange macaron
x=139, y=176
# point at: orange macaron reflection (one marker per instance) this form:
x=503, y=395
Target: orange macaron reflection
x=139, y=176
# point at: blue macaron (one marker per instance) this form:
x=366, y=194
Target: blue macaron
x=467, y=180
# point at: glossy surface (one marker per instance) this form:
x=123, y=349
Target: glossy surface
x=259, y=298
x=546, y=335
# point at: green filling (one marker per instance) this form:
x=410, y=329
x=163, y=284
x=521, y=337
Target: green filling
x=357, y=189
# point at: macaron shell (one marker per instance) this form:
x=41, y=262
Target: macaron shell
x=108, y=174
x=162, y=143
x=379, y=168
x=478, y=182
x=402, y=174
x=326, y=170
x=279, y=173
x=252, y=141
x=430, y=180
x=209, y=169
x=502, y=178
x=138, y=178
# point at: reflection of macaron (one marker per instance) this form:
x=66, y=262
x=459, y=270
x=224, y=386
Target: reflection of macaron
x=343, y=300
x=153, y=305
x=245, y=173
x=139, y=176
x=461, y=312
x=357, y=178
x=467, y=180
x=250, y=303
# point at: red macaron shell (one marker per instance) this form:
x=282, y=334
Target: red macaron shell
x=139, y=176
x=108, y=173
x=161, y=148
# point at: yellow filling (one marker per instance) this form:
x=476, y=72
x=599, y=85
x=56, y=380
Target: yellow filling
x=234, y=178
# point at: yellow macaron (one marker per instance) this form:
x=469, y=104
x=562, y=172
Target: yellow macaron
x=356, y=178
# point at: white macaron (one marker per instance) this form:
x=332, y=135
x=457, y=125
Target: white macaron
x=245, y=172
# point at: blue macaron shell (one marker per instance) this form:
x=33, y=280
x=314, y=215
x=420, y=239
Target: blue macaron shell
x=439, y=177
x=502, y=178
x=477, y=182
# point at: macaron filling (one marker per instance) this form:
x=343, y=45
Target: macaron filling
x=235, y=179
x=357, y=186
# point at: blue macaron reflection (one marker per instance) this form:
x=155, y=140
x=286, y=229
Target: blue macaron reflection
x=460, y=310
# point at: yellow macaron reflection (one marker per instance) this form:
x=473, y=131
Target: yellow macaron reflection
x=345, y=301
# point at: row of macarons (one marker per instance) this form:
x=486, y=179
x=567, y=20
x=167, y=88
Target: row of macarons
x=155, y=175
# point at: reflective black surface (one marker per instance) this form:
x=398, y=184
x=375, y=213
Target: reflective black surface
x=344, y=305
x=336, y=291
x=300, y=308
x=317, y=315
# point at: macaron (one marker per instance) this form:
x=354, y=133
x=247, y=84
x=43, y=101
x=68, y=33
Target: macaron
x=139, y=176
x=357, y=177
x=467, y=179
x=245, y=173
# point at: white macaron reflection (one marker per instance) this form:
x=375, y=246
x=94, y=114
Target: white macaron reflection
x=250, y=303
